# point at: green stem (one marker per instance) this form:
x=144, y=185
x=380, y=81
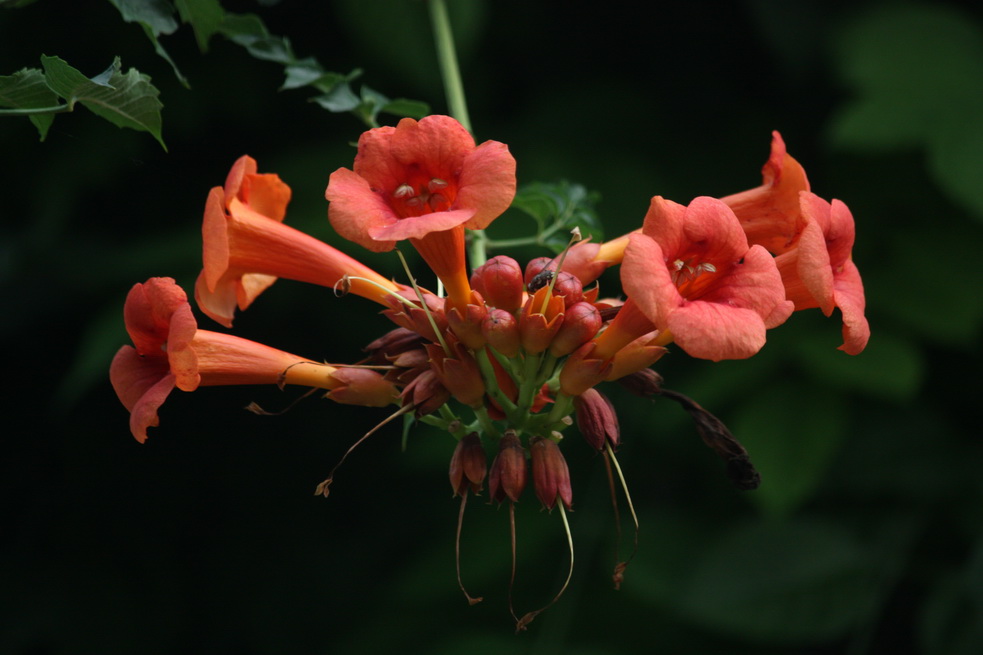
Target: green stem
x=444, y=38
x=454, y=88
x=28, y=111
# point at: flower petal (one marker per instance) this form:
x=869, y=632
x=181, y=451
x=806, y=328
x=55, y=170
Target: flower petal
x=849, y=291
x=486, y=183
x=355, y=208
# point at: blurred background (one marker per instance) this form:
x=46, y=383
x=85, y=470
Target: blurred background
x=865, y=536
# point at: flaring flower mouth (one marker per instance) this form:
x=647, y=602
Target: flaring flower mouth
x=692, y=274
x=246, y=247
x=170, y=351
x=417, y=178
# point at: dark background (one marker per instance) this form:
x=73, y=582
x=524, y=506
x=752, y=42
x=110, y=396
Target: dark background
x=866, y=534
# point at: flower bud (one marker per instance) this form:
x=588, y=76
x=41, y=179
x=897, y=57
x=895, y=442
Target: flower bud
x=644, y=383
x=468, y=465
x=568, y=287
x=466, y=324
x=596, y=419
x=415, y=318
x=499, y=281
x=581, y=322
x=458, y=372
x=507, y=477
x=550, y=475
x=362, y=387
x=501, y=330
x=425, y=393
x=534, y=277
x=582, y=370
x=540, y=320
x=391, y=344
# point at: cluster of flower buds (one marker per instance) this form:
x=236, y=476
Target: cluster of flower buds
x=505, y=358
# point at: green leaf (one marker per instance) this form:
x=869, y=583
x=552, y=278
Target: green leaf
x=26, y=89
x=249, y=31
x=915, y=71
x=557, y=208
x=156, y=17
x=782, y=582
x=403, y=107
x=126, y=100
x=791, y=431
x=308, y=71
x=890, y=367
x=206, y=18
x=338, y=99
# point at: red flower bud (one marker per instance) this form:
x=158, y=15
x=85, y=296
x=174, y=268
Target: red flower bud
x=391, y=344
x=582, y=370
x=499, y=281
x=426, y=393
x=596, y=419
x=458, y=372
x=415, y=318
x=644, y=383
x=466, y=324
x=468, y=465
x=568, y=287
x=550, y=475
x=501, y=330
x=507, y=477
x=581, y=322
x=535, y=267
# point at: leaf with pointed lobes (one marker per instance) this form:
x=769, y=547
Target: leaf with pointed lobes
x=468, y=465
x=499, y=281
x=597, y=420
x=715, y=434
x=508, y=474
x=550, y=474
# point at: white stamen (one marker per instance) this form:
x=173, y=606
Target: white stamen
x=403, y=190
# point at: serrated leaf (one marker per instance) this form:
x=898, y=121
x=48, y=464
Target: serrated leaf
x=557, y=208
x=155, y=17
x=338, y=99
x=125, y=100
x=250, y=32
x=404, y=107
x=791, y=432
x=27, y=89
x=308, y=71
x=205, y=17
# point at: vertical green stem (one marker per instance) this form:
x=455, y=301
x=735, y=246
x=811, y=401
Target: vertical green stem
x=444, y=38
x=454, y=88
